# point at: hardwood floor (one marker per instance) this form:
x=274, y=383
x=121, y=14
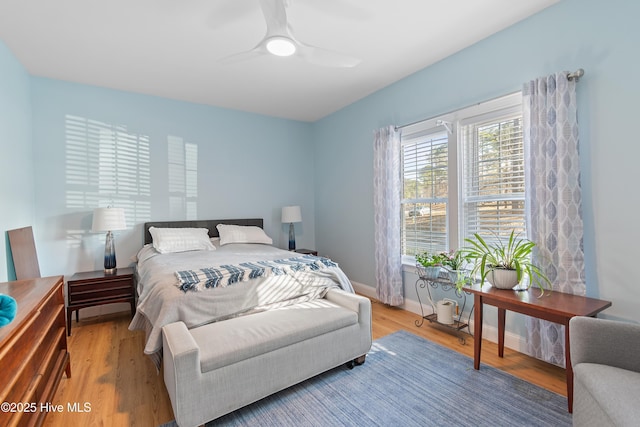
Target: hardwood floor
x=122, y=387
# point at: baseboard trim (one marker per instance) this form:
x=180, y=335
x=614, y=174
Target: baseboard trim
x=490, y=333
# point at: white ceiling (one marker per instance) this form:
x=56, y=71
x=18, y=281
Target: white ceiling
x=172, y=48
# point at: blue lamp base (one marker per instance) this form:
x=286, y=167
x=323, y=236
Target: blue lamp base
x=292, y=238
x=109, y=254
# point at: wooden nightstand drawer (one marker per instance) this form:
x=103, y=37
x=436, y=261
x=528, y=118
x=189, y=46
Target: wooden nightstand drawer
x=95, y=293
x=87, y=291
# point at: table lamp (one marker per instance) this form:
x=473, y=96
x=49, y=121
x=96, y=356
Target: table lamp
x=291, y=214
x=109, y=219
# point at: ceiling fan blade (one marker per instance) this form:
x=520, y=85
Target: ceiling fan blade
x=242, y=56
x=275, y=16
x=326, y=58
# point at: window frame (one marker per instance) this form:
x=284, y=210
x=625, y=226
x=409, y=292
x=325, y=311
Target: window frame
x=453, y=122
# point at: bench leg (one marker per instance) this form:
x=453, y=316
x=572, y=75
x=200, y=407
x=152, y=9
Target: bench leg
x=356, y=362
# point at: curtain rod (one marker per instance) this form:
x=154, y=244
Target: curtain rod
x=576, y=75
x=571, y=76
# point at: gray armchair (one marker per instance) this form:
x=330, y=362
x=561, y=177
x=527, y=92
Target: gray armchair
x=605, y=356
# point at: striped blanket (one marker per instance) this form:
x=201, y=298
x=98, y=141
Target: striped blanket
x=225, y=275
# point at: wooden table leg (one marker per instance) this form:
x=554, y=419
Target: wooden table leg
x=477, y=330
x=68, y=322
x=502, y=315
x=568, y=367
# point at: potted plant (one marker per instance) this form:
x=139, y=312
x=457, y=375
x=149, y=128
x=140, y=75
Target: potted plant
x=505, y=264
x=454, y=262
x=428, y=265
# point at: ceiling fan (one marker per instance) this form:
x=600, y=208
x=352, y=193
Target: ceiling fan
x=279, y=41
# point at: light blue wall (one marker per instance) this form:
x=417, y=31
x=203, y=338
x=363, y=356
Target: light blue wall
x=602, y=38
x=248, y=166
x=16, y=161
x=251, y=165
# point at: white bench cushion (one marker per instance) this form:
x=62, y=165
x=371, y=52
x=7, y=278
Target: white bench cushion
x=234, y=340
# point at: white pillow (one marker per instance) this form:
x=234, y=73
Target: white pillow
x=242, y=234
x=167, y=240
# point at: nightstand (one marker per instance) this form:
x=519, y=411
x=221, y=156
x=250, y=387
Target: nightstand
x=91, y=288
x=307, y=251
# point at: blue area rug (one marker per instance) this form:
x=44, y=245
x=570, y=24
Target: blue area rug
x=407, y=381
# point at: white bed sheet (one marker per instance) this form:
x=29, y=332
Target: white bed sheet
x=161, y=302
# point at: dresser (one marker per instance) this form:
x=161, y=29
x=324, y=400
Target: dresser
x=33, y=350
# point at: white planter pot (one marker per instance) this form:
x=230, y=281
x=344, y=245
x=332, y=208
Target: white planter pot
x=503, y=279
x=429, y=273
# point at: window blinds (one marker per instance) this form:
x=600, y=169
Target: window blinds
x=493, y=192
x=425, y=175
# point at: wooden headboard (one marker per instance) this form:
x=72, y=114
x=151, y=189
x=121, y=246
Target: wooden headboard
x=209, y=223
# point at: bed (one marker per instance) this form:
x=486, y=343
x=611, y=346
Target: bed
x=161, y=301
x=222, y=343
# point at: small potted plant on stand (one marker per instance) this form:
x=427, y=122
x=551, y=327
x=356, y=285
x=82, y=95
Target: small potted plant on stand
x=428, y=265
x=505, y=264
x=454, y=262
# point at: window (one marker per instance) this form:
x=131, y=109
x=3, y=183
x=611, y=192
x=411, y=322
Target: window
x=463, y=173
x=425, y=192
x=493, y=185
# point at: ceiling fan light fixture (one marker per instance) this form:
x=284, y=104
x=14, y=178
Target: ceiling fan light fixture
x=281, y=46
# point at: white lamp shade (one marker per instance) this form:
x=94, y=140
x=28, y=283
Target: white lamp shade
x=108, y=219
x=291, y=214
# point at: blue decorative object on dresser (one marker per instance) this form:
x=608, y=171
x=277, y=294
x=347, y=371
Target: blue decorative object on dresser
x=8, y=309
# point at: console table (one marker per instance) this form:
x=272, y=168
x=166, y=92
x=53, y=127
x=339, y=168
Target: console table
x=555, y=307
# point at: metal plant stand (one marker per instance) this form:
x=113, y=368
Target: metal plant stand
x=459, y=322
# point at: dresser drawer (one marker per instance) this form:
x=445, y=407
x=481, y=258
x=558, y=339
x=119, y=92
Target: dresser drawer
x=18, y=372
x=22, y=362
x=33, y=348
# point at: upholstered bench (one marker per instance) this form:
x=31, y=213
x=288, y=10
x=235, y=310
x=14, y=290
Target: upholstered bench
x=217, y=368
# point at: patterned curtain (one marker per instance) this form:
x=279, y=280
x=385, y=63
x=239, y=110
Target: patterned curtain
x=387, y=190
x=554, y=213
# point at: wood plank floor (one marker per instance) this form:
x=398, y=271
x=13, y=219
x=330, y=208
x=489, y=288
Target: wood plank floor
x=122, y=387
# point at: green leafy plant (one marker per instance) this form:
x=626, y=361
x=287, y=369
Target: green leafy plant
x=428, y=265
x=514, y=254
x=454, y=260
x=427, y=259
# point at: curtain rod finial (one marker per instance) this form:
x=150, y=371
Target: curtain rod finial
x=576, y=74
